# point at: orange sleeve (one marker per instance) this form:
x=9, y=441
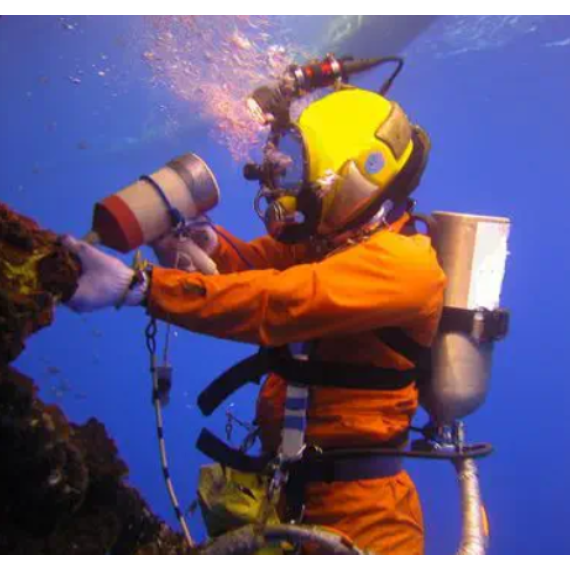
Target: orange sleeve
x=391, y=280
x=234, y=254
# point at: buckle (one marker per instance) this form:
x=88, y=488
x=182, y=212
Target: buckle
x=490, y=326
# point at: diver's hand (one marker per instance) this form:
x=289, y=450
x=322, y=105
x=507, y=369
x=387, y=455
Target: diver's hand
x=203, y=234
x=183, y=253
x=105, y=281
x=190, y=251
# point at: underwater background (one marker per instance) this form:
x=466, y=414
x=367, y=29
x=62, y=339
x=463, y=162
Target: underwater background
x=87, y=104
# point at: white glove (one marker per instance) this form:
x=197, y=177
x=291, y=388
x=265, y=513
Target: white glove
x=190, y=251
x=105, y=282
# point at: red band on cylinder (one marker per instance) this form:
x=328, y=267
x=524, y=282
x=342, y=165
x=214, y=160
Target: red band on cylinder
x=116, y=225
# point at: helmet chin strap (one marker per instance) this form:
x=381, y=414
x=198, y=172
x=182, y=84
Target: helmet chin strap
x=380, y=218
x=382, y=214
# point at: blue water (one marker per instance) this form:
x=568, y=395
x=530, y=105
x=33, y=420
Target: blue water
x=492, y=93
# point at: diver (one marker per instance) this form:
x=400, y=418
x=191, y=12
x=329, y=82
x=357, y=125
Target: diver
x=340, y=266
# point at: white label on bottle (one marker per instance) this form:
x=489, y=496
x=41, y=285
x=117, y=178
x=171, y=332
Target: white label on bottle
x=488, y=266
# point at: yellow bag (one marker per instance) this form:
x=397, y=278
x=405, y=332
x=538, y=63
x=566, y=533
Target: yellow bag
x=230, y=499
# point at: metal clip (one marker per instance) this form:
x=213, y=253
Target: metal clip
x=490, y=326
x=278, y=478
x=478, y=332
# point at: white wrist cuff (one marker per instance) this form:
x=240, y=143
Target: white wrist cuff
x=137, y=294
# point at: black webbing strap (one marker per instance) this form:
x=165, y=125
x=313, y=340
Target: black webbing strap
x=482, y=324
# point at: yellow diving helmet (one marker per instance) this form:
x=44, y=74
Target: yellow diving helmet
x=348, y=155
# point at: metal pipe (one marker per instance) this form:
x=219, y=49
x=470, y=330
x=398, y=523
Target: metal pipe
x=249, y=539
x=474, y=536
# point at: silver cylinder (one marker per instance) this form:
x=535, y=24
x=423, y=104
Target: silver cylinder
x=472, y=251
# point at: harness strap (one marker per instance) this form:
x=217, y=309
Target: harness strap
x=482, y=324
